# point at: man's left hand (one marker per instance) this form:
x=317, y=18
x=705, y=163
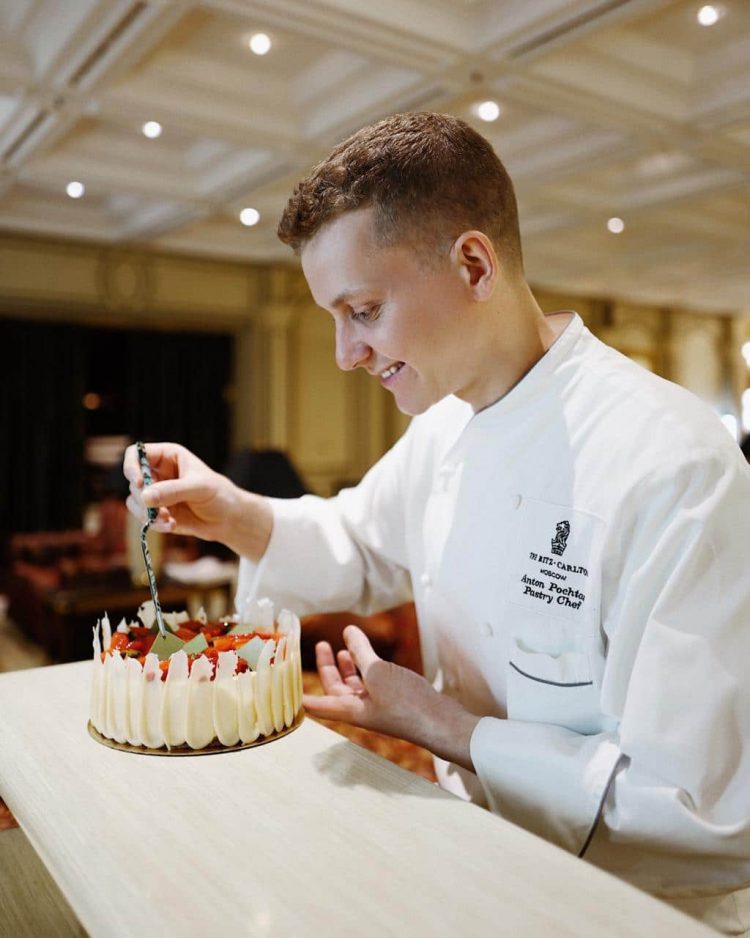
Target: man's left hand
x=363, y=689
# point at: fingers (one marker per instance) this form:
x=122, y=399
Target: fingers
x=131, y=468
x=135, y=507
x=164, y=521
x=348, y=709
x=348, y=671
x=345, y=678
x=175, y=491
x=159, y=454
x=360, y=649
x=337, y=680
x=330, y=677
x=170, y=492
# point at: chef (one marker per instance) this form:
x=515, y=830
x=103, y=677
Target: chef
x=572, y=529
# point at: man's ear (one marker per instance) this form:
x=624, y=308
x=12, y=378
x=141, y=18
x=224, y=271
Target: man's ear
x=477, y=264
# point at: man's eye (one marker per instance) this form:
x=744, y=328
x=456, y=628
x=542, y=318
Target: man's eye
x=366, y=315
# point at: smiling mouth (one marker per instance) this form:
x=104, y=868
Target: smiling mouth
x=391, y=370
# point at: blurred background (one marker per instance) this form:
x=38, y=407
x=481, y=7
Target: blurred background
x=146, y=152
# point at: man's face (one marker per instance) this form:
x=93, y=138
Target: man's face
x=395, y=317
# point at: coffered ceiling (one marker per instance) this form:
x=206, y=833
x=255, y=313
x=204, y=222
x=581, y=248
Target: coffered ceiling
x=624, y=108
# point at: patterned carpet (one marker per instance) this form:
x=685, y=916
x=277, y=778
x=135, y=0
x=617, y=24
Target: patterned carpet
x=6, y=818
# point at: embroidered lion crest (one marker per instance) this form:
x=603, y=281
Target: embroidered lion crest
x=560, y=540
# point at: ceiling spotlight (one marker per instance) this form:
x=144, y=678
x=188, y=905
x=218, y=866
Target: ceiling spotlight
x=488, y=111
x=259, y=43
x=249, y=216
x=152, y=129
x=708, y=15
x=615, y=225
x=75, y=189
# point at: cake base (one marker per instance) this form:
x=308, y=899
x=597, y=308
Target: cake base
x=210, y=750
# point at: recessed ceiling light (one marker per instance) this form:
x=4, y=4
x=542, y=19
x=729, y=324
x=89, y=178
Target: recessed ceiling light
x=152, y=129
x=488, y=111
x=249, y=216
x=259, y=43
x=708, y=15
x=615, y=225
x=75, y=189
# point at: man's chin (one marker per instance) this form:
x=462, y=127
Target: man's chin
x=414, y=408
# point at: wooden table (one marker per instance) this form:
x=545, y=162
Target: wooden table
x=309, y=835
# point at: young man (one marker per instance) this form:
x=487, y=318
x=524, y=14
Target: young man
x=573, y=530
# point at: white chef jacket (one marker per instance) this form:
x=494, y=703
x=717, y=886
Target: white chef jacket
x=579, y=555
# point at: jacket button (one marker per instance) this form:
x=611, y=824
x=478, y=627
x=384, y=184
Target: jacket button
x=515, y=502
x=425, y=579
x=485, y=629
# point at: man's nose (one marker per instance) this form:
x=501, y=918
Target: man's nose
x=350, y=352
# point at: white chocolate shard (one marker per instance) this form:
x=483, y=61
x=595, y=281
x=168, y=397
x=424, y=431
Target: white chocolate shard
x=277, y=686
x=263, y=689
x=288, y=693
x=147, y=613
x=248, y=723
x=134, y=682
x=174, y=714
x=151, y=701
x=97, y=695
x=174, y=620
x=264, y=658
x=263, y=702
x=200, y=721
x=106, y=633
x=288, y=621
x=107, y=704
x=226, y=702
x=119, y=697
x=277, y=695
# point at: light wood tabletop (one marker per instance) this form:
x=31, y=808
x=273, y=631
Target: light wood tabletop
x=308, y=835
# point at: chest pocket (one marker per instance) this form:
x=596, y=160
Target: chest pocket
x=552, y=618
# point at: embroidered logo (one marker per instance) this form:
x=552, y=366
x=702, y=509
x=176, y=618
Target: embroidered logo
x=560, y=540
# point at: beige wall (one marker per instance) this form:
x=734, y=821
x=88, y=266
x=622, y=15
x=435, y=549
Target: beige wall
x=697, y=350
x=287, y=391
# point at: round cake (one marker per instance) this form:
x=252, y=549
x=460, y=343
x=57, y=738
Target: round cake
x=205, y=686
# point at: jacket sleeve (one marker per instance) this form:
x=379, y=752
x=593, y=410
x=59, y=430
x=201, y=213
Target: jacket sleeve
x=674, y=773
x=343, y=553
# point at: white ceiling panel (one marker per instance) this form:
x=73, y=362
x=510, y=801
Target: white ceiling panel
x=608, y=107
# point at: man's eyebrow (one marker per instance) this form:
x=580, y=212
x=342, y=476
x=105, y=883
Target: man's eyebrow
x=346, y=295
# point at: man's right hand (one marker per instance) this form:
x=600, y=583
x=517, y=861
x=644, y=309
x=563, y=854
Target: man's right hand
x=193, y=499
